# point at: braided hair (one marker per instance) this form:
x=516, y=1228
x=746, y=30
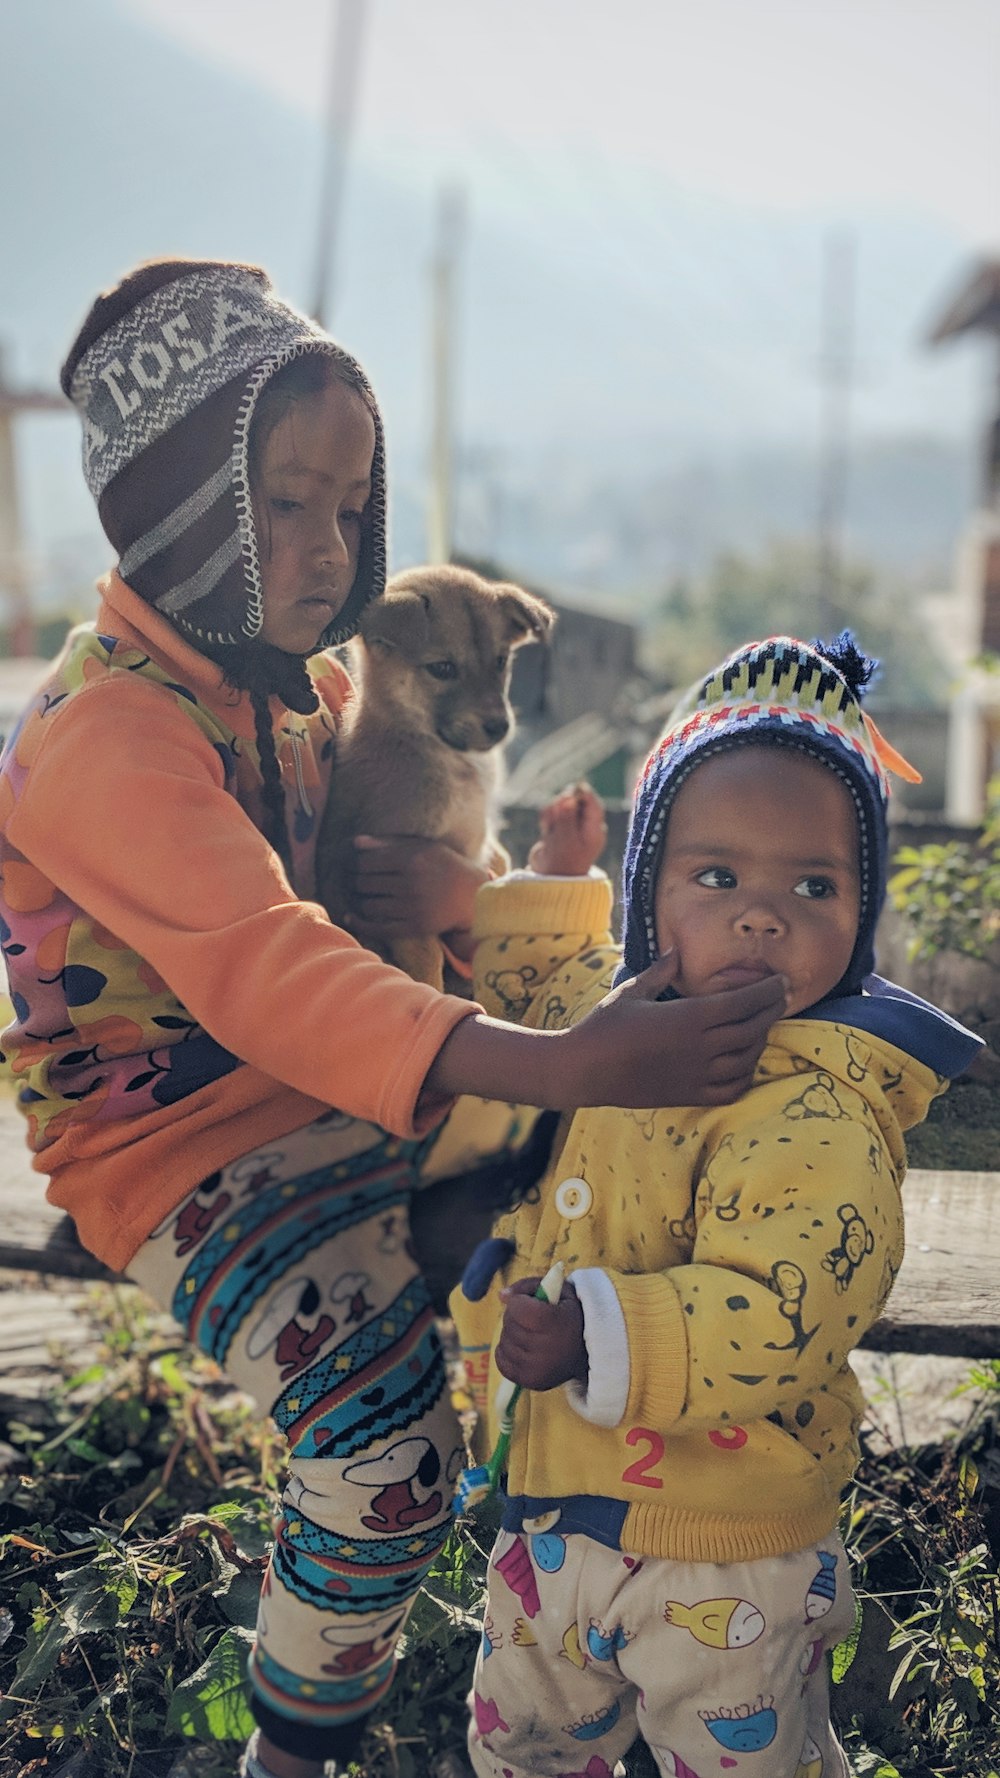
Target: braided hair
x=275, y=832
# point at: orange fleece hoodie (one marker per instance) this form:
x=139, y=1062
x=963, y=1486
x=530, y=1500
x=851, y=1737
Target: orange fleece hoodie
x=177, y=1004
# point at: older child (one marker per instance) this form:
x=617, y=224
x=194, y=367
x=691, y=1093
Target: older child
x=669, y=1558
x=187, y=1018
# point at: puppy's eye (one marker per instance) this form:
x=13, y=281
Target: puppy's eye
x=441, y=669
x=501, y=662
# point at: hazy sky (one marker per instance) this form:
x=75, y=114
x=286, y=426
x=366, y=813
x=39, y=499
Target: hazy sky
x=792, y=104
x=651, y=188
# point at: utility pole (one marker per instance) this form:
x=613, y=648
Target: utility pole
x=837, y=374
x=341, y=101
x=972, y=724
x=449, y=227
x=15, y=580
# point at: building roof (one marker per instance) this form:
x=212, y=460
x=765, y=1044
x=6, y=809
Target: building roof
x=581, y=746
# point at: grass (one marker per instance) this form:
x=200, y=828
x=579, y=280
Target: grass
x=962, y=1129
x=920, y=1693
x=135, y=1507
x=135, y=1513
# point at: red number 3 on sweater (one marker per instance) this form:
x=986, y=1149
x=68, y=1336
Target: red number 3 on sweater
x=636, y=1472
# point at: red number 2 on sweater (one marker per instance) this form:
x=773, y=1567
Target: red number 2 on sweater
x=636, y=1472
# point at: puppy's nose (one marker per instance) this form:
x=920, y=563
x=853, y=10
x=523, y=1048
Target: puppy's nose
x=495, y=727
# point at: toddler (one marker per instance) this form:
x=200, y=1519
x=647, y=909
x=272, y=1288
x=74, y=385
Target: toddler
x=669, y=1558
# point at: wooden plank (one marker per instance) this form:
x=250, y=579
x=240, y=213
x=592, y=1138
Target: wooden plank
x=36, y=1326
x=946, y=1299
x=34, y=1235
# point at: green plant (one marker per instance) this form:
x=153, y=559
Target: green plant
x=135, y=1508
x=775, y=590
x=135, y=1513
x=948, y=893
x=425, y=1715
x=134, y=1528
x=922, y=1533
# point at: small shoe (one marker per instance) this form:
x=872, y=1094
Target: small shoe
x=251, y=1765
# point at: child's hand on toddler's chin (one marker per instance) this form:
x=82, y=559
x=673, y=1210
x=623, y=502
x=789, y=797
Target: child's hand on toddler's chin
x=641, y=1050
x=541, y=1344
x=573, y=834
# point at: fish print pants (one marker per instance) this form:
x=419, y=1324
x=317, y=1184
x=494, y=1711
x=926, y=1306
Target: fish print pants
x=719, y=1667
x=292, y=1268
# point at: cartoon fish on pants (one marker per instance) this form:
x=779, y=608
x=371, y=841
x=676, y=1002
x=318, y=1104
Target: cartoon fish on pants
x=487, y=1716
x=823, y=1586
x=745, y=1729
x=604, y=1645
x=718, y=1623
x=515, y=1567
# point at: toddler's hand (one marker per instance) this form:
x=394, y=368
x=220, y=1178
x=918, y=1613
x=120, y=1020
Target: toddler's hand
x=541, y=1344
x=634, y=1049
x=573, y=834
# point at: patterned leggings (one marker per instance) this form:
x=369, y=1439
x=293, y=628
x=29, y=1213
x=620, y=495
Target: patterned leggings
x=294, y=1271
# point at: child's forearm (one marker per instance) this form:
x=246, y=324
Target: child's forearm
x=491, y=1060
x=632, y=1050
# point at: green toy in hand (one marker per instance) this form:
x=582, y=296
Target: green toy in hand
x=477, y=1484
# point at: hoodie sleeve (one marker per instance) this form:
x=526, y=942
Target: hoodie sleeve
x=544, y=951
x=125, y=808
x=799, y=1236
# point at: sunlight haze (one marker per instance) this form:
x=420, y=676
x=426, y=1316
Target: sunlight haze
x=780, y=103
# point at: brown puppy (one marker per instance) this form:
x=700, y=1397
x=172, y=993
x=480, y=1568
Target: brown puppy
x=419, y=751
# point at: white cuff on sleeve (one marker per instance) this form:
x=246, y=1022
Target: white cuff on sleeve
x=605, y=1335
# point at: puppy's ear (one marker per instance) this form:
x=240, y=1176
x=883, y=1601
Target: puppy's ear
x=527, y=617
x=398, y=620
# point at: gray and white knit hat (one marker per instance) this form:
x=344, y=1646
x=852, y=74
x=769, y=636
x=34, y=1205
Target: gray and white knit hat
x=167, y=372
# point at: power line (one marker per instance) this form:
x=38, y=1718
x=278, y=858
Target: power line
x=837, y=373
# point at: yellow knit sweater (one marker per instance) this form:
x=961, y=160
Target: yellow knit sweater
x=728, y=1261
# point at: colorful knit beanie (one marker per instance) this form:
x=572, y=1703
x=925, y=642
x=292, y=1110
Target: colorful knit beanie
x=167, y=371
x=778, y=693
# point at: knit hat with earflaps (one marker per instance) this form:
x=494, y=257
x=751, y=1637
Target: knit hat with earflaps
x=779, y=693
x=167, y=371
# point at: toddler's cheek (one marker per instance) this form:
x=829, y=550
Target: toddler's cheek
x=799, y=996
x=685, y=981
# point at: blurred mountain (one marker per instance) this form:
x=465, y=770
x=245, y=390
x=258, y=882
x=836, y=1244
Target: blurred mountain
x=621, y=343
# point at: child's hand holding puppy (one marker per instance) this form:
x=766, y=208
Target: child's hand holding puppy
x=405, y=887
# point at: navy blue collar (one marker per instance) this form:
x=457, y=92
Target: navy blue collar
x=913, y=1025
